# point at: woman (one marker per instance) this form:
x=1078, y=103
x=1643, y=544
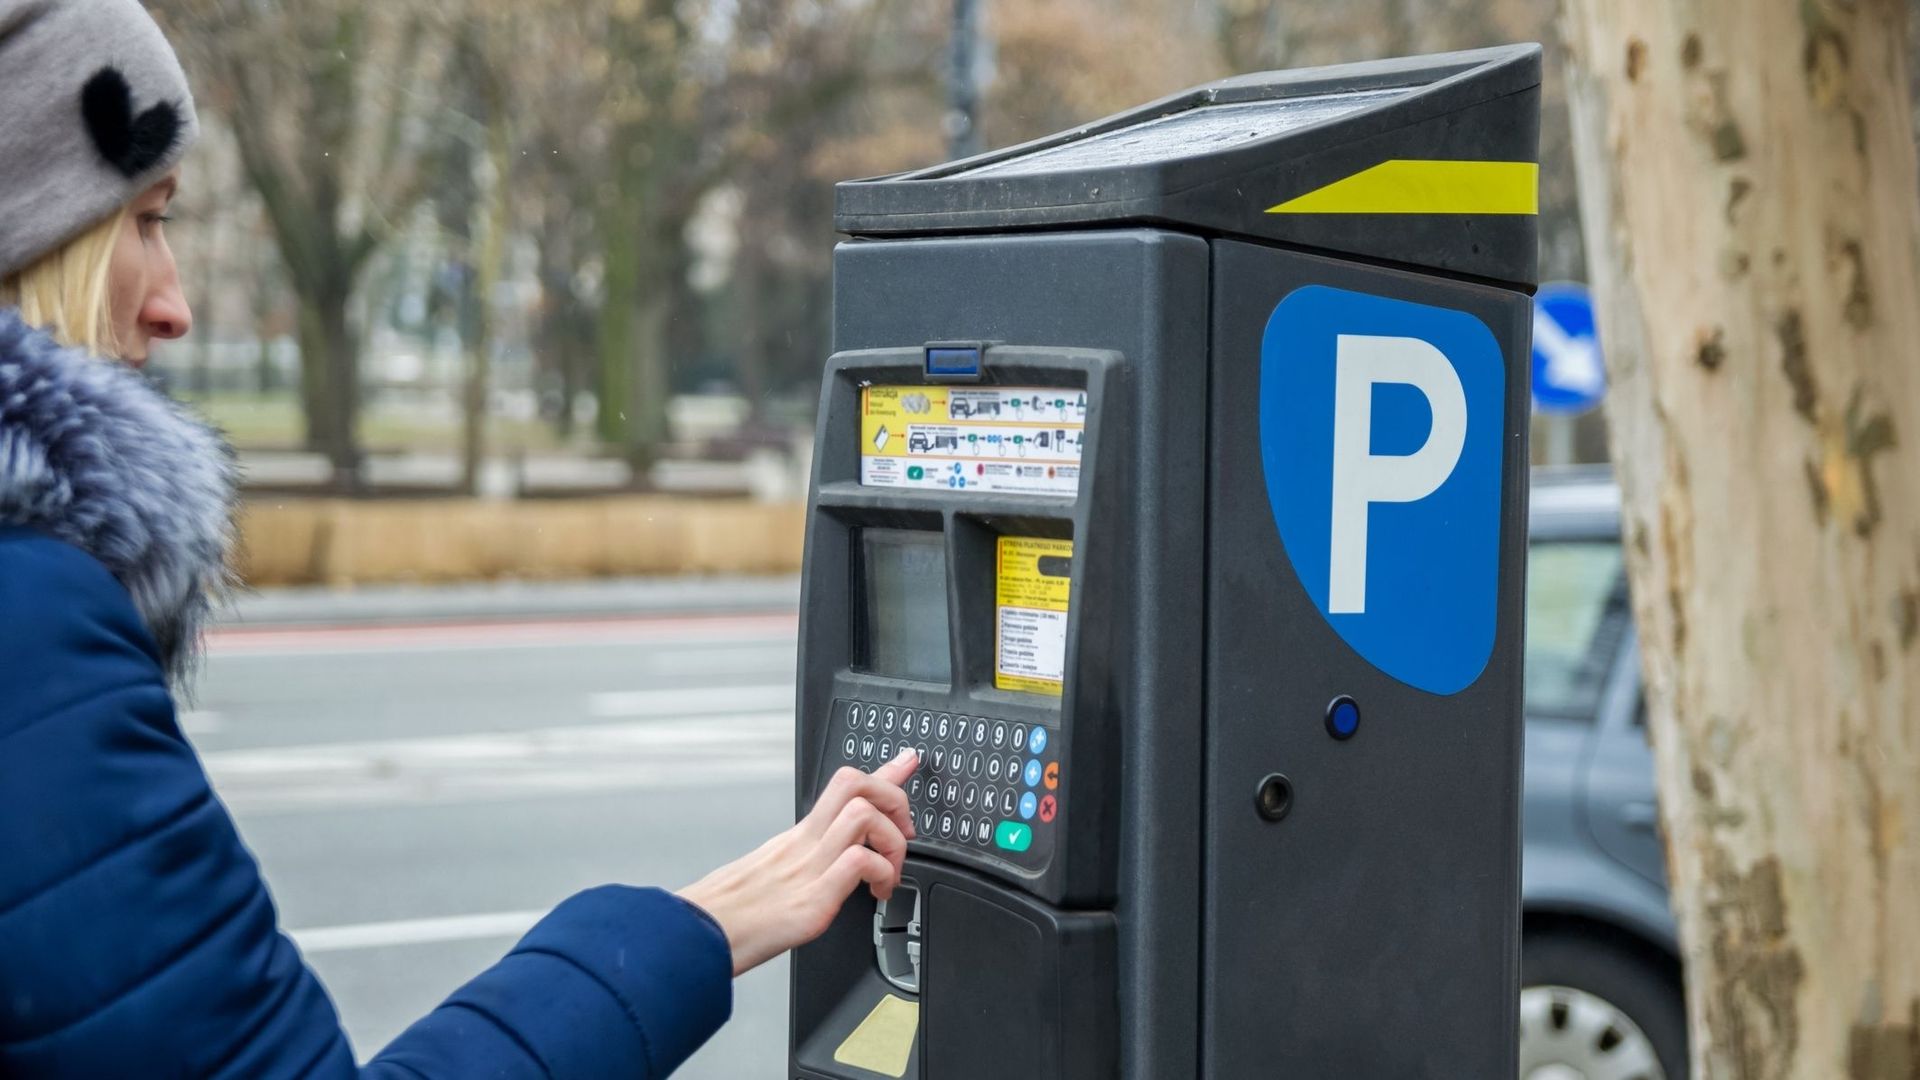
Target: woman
x=136, y=937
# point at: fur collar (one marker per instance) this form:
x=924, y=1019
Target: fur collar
x=94, y=455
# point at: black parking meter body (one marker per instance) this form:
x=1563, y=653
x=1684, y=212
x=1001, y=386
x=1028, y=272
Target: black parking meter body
x=1169, y=494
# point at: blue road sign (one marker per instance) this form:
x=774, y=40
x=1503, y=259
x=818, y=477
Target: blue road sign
x=1568, y=376
x=1381, y=426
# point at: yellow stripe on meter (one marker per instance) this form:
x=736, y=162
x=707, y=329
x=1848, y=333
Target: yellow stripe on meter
x=1427, y=187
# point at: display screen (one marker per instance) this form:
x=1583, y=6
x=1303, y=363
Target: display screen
x=906, y=604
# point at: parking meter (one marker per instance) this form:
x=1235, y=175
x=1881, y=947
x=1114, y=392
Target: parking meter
x=1169, y=498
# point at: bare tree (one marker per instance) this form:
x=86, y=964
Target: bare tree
x=1748, y=179
x=327, y=101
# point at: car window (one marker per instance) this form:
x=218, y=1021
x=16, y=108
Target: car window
x=1576, y=615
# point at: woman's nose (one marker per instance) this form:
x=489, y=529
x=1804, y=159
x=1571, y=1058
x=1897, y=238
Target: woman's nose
x=166, y=314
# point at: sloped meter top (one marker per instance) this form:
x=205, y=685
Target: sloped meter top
x=1429, y=162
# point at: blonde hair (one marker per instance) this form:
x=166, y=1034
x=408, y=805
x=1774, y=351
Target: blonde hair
x=66, y=291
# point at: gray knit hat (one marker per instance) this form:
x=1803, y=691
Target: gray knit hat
x=93, y=109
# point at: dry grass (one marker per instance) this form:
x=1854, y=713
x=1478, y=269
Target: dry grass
x=342, y=542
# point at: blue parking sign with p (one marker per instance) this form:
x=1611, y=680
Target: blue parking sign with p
x=1381, y=426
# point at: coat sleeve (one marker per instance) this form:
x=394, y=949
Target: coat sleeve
x=139, y=938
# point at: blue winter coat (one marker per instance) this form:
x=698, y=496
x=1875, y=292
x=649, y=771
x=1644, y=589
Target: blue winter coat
x=136, y=935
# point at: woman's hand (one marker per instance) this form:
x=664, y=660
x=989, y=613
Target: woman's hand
x=787, y=892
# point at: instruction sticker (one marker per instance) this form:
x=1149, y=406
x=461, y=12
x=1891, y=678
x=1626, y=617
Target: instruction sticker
x=1011, y=440
x=1032, y=578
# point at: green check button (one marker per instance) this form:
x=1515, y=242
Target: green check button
x=1013, y=836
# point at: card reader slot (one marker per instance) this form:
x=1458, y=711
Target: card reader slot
x=896, y=937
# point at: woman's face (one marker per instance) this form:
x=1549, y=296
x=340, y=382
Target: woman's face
x=142, y=280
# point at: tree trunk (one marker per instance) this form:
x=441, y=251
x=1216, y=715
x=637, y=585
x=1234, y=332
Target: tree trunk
x=1747, y=179
x=615, y=333
x=265, y=380
x=640, y=256
x=315, y=409
x=750, y=293
x=555, y=335
x=490, y=257
x=330, y=376
x=652, y=381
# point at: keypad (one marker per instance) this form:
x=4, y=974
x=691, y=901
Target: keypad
x=986, y=783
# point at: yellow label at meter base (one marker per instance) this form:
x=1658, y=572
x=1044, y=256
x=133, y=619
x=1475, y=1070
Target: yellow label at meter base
x=883, y=1043
x=1032, y=579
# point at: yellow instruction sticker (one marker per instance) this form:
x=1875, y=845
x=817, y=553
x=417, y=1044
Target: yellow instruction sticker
x=883, y=1042
x=1005, y=439
x=1032, y=580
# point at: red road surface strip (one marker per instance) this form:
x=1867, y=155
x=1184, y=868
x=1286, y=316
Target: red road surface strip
x=519, y=633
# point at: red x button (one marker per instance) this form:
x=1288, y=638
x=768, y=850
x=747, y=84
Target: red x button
x=1048, y=808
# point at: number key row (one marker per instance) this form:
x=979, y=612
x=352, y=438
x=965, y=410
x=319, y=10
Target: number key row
x=891, y=720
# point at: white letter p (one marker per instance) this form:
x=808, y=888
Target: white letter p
x=1361, y=477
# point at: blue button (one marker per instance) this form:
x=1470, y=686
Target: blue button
x=1343, y=717
x=1038, y=740
x=1028, y=804
x=1033, y=774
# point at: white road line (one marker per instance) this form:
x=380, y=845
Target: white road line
x=641, y=754
x=381, y=935
x=691, y=701
x=772, y=774
x=766, y=659
x=334, y=641
x=453, y=752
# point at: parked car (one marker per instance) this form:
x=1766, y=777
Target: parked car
x=1600, y=972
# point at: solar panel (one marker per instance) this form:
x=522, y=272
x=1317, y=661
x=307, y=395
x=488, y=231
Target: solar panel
x=1189, y=133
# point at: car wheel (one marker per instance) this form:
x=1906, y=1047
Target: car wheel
x=1594, y=1011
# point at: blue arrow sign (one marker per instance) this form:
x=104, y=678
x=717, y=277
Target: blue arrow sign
x=1568, y=376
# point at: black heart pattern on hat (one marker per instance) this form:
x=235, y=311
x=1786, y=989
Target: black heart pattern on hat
x=130, y=143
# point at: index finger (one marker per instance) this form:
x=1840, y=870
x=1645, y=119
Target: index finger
x=880, y=787
x=897, y=771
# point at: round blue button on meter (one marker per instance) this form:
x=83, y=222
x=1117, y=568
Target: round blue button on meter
x=1038, y=740
x=1028, y=804
x=1343, y=717
x=1032, y=775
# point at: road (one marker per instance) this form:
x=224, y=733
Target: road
x=422, y=774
